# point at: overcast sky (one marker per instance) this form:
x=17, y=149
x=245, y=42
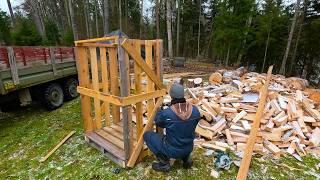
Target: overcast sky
x=4, y=5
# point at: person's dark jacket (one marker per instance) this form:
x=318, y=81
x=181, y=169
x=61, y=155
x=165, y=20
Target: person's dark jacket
x=179, y=121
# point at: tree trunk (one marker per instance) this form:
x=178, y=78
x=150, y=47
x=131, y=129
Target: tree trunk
x=73, y=21
x=141, y=18
x=178, y=29
x=57, y=15
x=266, y=50
x=248, y=24
x=199, y=23
x=293, y=58
x=11, y=13
x=157, y=18
x=96, y=9
x=86, y=17
x=285, y=57
x=66, y=5
x=106, y=17
x=37, y=18
x=120, y=16
x=169, y=28
x=228, y=55
x=126, y=15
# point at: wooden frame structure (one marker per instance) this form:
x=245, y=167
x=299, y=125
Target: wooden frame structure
x=111, y=74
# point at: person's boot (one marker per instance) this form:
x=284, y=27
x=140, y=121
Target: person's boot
x=163, y=165
x=187, y=163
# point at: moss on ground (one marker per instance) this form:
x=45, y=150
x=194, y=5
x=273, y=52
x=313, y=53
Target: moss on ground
x=28, y=134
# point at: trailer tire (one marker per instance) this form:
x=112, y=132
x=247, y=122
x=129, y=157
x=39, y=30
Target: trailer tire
x=70, y=89
x=53, y=96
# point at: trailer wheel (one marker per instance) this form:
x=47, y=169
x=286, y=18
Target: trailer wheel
x=70, y=89
x=53, y=96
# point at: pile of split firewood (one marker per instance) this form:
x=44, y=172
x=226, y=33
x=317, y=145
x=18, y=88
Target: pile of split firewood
x=228, y=104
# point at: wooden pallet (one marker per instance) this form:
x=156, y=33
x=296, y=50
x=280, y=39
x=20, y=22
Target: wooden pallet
x=110, y=141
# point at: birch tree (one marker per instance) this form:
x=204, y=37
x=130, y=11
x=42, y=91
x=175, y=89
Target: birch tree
x=285, y=57
x=11, y=12
x=293, y=58
x=37, y=16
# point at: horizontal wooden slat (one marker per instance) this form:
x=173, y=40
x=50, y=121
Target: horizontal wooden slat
x=79, y=42
x=142, y=97
x=119, y=128
x=103, y=97
x=112, y=139
x=99, y=45
x=117, y=133
x=121, y=101
x=143, y=42
x=114, y=132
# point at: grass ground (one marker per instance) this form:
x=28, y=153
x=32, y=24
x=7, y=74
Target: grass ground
x=28, y=134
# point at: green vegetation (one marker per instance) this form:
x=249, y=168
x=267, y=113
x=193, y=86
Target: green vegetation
x=256, y=33
x=29, y=134
x=25, y=33
x=4, y=28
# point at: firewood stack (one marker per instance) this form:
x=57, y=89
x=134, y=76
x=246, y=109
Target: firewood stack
x=228, y=105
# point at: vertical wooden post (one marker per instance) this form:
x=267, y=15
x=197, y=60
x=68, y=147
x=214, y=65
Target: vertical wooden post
x=13, y=66
x=60, y=54
x=95, y=86
x=125, y=91
x=23, y=57
x=158, y=58
x=105, y=83
x=44, y=55
x=83, y=74
x=53, y=61
x=159, y=67
x=160, y=47
x=114, y=82
x=126, y=55
x=150, y=84
x=138, y=88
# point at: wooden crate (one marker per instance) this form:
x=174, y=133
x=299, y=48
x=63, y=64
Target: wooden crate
x=111, y=73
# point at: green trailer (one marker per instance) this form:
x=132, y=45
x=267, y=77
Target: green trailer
x=46, y=74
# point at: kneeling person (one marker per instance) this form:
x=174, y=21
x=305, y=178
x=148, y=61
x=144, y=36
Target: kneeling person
x=179, y=121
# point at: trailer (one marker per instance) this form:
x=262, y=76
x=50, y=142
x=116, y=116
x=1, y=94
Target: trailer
x=46, y=74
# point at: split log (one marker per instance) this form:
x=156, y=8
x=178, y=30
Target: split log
x=272, y=148
x=256, y=148
x=204, y=132
x=215, y=78
x=217, y=125
x=239, y=116
x=229, y=138
x=315, y=137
